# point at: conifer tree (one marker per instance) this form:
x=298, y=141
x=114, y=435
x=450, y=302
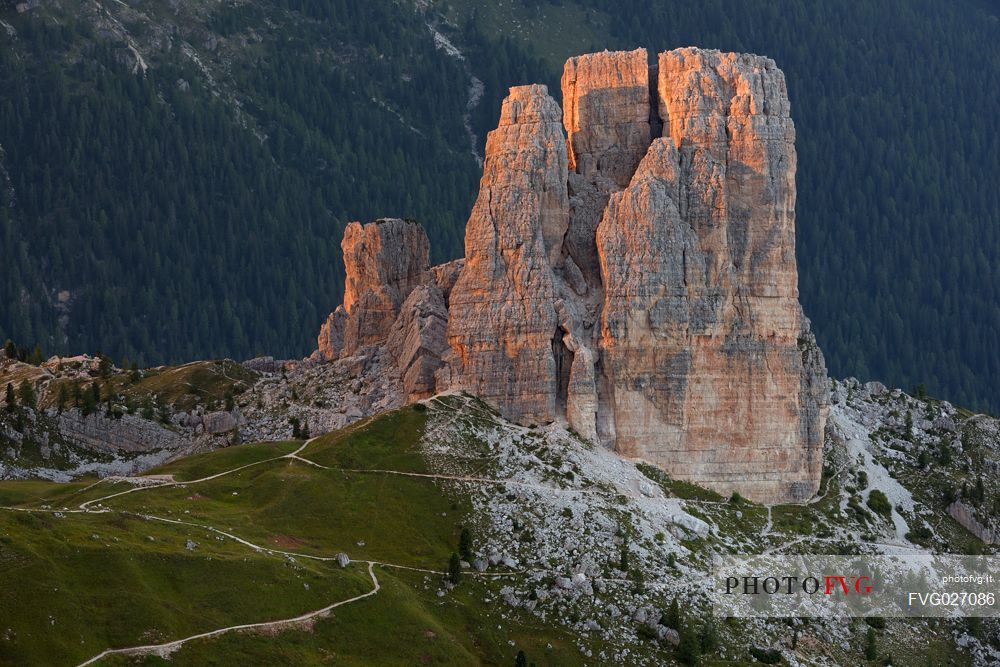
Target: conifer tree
x=465, y=544
x=672, y=617
x=26, y=394
x=454, y=569
x=708, y=637
x=871, y=647
x=62, y=397
x=688, y=650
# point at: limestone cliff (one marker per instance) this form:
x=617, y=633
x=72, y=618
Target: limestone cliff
x=384, y=260
x=502, y=316
x=710, y=361
x=641, y=287
x=606, y=115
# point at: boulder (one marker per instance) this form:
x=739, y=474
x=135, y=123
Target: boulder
x=691, y=524
x=668, y=635
x=219, y=422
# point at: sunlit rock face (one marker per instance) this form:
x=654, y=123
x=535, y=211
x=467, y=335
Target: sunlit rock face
x=384, y=261
x=629, y=269
x=714, y=375
x=331, y=335
x=503, y=323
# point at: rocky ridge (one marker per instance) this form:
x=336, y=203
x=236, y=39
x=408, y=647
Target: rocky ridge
x=629, y=270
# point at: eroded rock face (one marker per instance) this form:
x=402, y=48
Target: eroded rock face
x=418, y=340
x=130, y=434
x=331, y=335
x=384, y=261
x=446, y=275
x=713, y=373
x=606, y=116
x=502, y=320
x=641, y=287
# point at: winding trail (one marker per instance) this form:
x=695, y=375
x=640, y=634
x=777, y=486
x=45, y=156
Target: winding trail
x=262, y=549
x=164, y=650
x=162, y=484
x=477, y=480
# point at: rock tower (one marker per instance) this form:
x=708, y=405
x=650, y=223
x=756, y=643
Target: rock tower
x=629, y=268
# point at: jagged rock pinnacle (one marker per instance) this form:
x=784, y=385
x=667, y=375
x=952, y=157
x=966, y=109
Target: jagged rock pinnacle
x=641, y=287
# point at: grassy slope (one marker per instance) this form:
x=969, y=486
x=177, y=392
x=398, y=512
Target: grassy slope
x=86, y=582
x=76, y=585
x=204, y=465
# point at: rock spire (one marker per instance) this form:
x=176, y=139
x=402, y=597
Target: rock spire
x=630, y=268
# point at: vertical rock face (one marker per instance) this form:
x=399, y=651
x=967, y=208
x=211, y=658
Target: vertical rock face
x=502, y=321
x=714, y=375
x=392, y=298
x=384, y=260
x=418, y=340
x=641, y=287
x=331, y=335
x=728, y=115
x=606, y=115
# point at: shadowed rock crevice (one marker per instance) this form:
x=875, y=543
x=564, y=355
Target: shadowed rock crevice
x=563, y=358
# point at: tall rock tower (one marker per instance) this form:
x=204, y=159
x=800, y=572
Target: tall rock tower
x=641, y=282
x=502, y=317
x=629, y=268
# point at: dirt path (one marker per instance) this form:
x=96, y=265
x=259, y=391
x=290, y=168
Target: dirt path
x=487, y=480
x=161, y=481
x=295, y=554
x=164, y=650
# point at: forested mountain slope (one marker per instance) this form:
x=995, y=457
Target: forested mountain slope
x=176, y=177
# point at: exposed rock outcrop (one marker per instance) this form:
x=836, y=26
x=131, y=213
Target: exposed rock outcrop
x=129, y=434
x=392, y=297
x=606, y=116
x=502, y=324
x=384, y=261
x=418, y=340
x=446, y=275
x=641, y=287
x=219, y=422
x=964, y=515
x=331, y=335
